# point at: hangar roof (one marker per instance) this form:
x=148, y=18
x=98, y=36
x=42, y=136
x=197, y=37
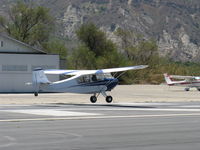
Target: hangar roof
x=11, y=45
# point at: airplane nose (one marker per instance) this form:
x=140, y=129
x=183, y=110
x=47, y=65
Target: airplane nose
x=112, y=84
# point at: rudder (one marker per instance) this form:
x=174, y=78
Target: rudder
x=38, y=78
x=167, y=79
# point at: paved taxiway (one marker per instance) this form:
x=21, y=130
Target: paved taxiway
x=121, y=94
x=135, y=126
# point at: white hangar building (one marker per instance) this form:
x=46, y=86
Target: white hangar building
x=17, y=60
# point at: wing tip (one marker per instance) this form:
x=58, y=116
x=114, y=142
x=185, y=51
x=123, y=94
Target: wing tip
x=143, y=66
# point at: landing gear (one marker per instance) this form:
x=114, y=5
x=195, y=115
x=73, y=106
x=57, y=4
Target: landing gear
x=187, y=89
x=109, y=99
x=93, y=99
x=36, y=93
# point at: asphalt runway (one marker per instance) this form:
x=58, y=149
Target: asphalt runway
x=121, y=94
x=125, y=126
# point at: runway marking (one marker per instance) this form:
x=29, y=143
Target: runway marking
x=75, y=112
x=168, y=109
x=190, y=106
x=51, y=112
x=12, y=105
x=98, y=117
x=11, y=141
x=132, y=109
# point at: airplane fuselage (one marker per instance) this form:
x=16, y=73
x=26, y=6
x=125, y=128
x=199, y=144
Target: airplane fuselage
x=72, y=85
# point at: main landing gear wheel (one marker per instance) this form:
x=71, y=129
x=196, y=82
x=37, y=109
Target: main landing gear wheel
x=109, y=99
x=93, y=99
x=187, y=89
x=36, y=94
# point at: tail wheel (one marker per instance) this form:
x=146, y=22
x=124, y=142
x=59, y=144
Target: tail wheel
x=187, y=89
x=36, y=94
x=109, y=99
x=93, y=99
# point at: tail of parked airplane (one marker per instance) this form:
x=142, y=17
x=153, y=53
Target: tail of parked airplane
x=38, y=78
x=168, y=80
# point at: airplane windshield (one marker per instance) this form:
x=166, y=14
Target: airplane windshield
x=94, y=78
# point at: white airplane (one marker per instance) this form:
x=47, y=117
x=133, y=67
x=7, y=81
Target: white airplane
x=185, y=81
x=94, y=82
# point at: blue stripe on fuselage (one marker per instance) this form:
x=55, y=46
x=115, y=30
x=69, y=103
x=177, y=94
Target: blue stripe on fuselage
x=96, y=83
x=110, y=83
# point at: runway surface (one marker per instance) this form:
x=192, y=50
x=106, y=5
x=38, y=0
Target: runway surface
x=135, y=126
x=121, y=94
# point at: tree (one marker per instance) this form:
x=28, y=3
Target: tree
x=136, y=48
x=82, y=58
x=29, y=24
x=55, y=46
x=140, y=51
x=111, y=59
x=95, y=39
x=145, y=52
x=95, y=51
x=129, y=40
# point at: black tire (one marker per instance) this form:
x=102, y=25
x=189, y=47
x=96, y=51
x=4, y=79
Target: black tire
x=187, y=89
x=93, y=99
x=198, y=89
x=36, y=94
x=109, y=99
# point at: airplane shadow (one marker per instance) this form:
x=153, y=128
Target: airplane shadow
x=105, y=105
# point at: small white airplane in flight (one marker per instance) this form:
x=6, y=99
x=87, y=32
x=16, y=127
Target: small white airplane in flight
x=94, y=82
x=185, y=81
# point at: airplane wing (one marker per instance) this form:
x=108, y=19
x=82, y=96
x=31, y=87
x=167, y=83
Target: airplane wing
x=69, y=72
x=100, y=71
x=121, y=69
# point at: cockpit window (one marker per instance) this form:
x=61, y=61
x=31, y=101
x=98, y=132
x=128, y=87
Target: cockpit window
x=93, y=78
x=108, y=76
x=100, y=77
x=84, y=79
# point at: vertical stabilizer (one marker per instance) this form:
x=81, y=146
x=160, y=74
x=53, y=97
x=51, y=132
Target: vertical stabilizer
x=38, y=78
x=167, y=79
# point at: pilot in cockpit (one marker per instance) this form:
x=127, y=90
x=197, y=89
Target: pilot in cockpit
x=94, y=78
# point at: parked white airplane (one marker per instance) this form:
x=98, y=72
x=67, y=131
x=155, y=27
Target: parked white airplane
x=82, y=81
x=185, y=81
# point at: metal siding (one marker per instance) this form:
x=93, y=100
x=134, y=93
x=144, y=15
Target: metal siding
x=14, y=81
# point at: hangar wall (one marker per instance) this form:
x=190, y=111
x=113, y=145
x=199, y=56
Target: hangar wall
x=16, y=70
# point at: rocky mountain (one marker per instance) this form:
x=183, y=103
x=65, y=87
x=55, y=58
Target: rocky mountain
x=174, y=24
